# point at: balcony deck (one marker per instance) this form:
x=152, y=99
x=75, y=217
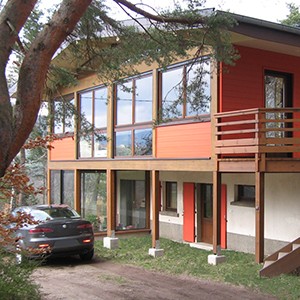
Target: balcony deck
x=259, y=139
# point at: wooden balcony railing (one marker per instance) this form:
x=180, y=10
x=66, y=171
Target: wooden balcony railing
x=259, y=130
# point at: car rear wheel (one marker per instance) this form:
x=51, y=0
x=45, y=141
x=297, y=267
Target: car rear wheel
x=87, y=256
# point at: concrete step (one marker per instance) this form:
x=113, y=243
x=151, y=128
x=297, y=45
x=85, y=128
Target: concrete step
x=282, y=254
x=295, y=246
x=268, y=263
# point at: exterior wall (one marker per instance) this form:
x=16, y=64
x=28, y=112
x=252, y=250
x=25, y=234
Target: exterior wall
x=243, y=84
x=63, y=149
x=184, y=141
x=282, y=206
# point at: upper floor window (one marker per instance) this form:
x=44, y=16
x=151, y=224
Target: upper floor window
x=134, y=101
x=93, y=123
x=185, y=90
x=63, y=114
x=133, y=117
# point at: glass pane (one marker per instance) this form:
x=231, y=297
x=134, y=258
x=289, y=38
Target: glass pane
x=143, y=142
x=274, y=98
x=171, y=194
x=93, y=199
x=124, y=103
x=101, y=108
x=58, y=117
x=207, y=201
x=55, y=177
x=198, y=89
x=132, y=208
x=85, y=146
x=100, y=145
x=69, y=115
x=68, y=188
x=86, y=106
x=172, y=93
x=143, y=99
x=123, y=143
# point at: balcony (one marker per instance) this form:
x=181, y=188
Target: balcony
x=261, y=139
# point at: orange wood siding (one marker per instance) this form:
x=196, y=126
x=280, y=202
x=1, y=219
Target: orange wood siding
x=184, y=141
x=63, y=149
x=243, y=84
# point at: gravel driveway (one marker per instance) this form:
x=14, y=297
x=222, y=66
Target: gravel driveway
x=65, y=279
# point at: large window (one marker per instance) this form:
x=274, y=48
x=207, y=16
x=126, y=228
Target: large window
x=133, y=121
x=93, y=198
x=64, y=114
x=132, y=202
x=62, y=187
x=185, y=90
x=93, y=123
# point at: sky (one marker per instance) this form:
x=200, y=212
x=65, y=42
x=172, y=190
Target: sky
x=269, y=10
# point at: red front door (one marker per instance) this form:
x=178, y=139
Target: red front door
x=189, y=212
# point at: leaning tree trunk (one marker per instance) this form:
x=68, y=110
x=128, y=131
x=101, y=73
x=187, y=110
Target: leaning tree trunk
x=16, y=125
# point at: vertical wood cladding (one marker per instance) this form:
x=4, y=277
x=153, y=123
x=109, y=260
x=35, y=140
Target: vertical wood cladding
x=184, y=141
x=63, y=149
x=243, y=84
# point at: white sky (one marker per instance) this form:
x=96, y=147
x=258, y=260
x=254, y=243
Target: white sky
x=270, y=10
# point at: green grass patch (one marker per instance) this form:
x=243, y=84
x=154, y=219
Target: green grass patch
x=113, y=278
x=239, y=268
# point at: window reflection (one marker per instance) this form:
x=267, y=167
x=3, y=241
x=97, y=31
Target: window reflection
x=143, y=101
x=123, y=143
x=143, y=142
x=93, y=123
x=124, y=103
x=186, y=90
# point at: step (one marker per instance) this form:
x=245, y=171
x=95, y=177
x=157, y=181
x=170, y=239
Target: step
x=295, y=246
x=282, y=254
x=268, y=263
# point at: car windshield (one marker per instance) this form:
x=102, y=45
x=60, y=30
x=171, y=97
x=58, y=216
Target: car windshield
x=39, y=215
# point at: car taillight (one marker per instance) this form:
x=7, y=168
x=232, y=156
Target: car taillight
x=85, y=226
x=87, y=241
x=42, y=246
x=40, y=230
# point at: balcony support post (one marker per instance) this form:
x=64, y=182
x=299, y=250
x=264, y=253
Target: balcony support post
x=110, y=241
x=259, y=215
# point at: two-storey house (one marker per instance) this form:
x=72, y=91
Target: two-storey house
x=227, y=176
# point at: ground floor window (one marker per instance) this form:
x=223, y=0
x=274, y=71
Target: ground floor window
x=244, y=195
x=171, y=196
x=62, y=187
x=132, y=201
x=207, y=200
x=93, y=198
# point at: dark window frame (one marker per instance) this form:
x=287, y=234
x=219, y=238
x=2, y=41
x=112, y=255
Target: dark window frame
x=168, y=196
x=242, y=197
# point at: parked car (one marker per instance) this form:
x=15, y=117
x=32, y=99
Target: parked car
x=60, y=231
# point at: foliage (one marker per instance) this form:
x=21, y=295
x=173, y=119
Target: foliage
x=293, y=18
x=15, y=283
x=239, y=268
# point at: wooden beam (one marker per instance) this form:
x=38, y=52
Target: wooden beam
x=111, y=187
x=147, y=197
x=155, y=208
x=216, y=212
x=259, y=216
x=77, y=204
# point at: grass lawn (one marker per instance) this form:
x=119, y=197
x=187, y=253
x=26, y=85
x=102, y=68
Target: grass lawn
x=239, y=268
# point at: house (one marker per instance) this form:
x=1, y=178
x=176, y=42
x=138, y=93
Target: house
x=228, y=177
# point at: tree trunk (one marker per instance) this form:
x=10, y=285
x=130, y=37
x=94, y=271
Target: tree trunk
x=16, y=125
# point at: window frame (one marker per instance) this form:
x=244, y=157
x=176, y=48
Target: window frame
x=185, y=66
x=168, y=196
x=240, y=199
x=92, y=134
x=133, y=126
